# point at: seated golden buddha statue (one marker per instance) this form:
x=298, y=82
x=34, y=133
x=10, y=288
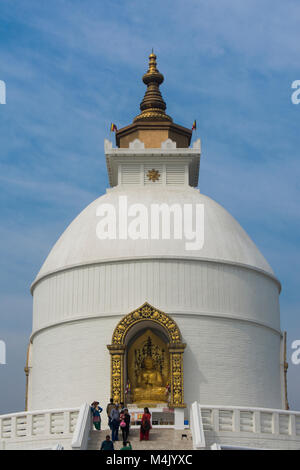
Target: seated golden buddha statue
x=150, y=387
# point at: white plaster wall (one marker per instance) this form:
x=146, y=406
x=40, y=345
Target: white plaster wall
x=71, y=364
x=174, y=286
x=29, y=383
x=226, y=362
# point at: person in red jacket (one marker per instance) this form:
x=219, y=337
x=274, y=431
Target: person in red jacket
x=145, y=425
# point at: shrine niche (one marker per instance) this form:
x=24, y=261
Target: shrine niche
x=150, y=365
x=148, y=369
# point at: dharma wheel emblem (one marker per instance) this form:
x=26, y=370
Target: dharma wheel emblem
x=153, y=175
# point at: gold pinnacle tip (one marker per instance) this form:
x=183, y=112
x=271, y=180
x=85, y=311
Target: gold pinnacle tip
x=153, y=106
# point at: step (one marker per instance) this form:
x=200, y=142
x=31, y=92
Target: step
x=159, y=439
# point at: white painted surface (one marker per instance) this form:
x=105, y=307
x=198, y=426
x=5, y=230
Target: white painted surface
x=197, y=426
x=166, y=155
x=231, y=426
x=225, y=361
x=224, y=239
x=83, y=428
x=39, y=429
x=71, y=364
x=175, y=286
x=179, y=418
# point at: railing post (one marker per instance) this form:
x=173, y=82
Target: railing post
x=215, y=419
x=29, y=420
x=292, y=425
x=197, y=426
x=256, y=422
x=47, y=429
x=82, y=428
x=67, y=426
x=275, y=423
x=14, y=426
x=236, y=421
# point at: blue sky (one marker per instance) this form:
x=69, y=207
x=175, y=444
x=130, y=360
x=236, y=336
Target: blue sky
x=71, y=67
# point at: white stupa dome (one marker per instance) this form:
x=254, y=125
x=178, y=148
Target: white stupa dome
x=225, y=240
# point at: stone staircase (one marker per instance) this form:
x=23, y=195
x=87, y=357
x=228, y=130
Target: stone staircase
x=160, y=439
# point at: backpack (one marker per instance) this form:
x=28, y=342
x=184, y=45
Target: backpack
x=122, y=423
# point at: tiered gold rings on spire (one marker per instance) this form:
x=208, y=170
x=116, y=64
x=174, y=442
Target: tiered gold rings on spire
x=153, y=106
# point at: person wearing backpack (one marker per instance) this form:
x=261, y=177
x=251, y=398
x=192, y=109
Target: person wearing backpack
x=145, y=425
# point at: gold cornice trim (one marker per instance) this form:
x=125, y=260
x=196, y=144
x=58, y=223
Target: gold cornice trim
x=180, y=347
x=153, y=114
x=116, y=348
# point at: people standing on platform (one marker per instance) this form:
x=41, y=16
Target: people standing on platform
x=126, y=446
x=96, y=410
x=125, y=423
x=145, y=425
x=107, y=444
x=109, y=407
x=115, y=422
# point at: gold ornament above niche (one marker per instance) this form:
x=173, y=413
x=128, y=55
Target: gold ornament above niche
x=153, y=175
x=146, y=311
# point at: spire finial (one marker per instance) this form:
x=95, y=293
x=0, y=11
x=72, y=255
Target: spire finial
x=153, y=106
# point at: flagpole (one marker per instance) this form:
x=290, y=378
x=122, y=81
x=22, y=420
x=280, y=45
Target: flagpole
x=194, y=128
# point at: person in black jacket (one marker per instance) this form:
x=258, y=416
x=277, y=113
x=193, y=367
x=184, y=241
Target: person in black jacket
x=125, y=418
x=109, y=407
x=115, y=423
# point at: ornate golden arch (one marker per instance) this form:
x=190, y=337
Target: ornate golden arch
x=175, y=347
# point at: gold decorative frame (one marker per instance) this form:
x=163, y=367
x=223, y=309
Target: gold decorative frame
x=175, y=346
x=153, y=175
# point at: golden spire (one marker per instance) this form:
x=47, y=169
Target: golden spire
x=153, y=106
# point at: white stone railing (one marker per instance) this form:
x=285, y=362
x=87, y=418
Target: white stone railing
x=82, y=429
x=197, y=426
x=34, y=425
x=240, y=420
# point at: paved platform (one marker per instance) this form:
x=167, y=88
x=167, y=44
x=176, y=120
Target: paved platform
x=159, y=439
